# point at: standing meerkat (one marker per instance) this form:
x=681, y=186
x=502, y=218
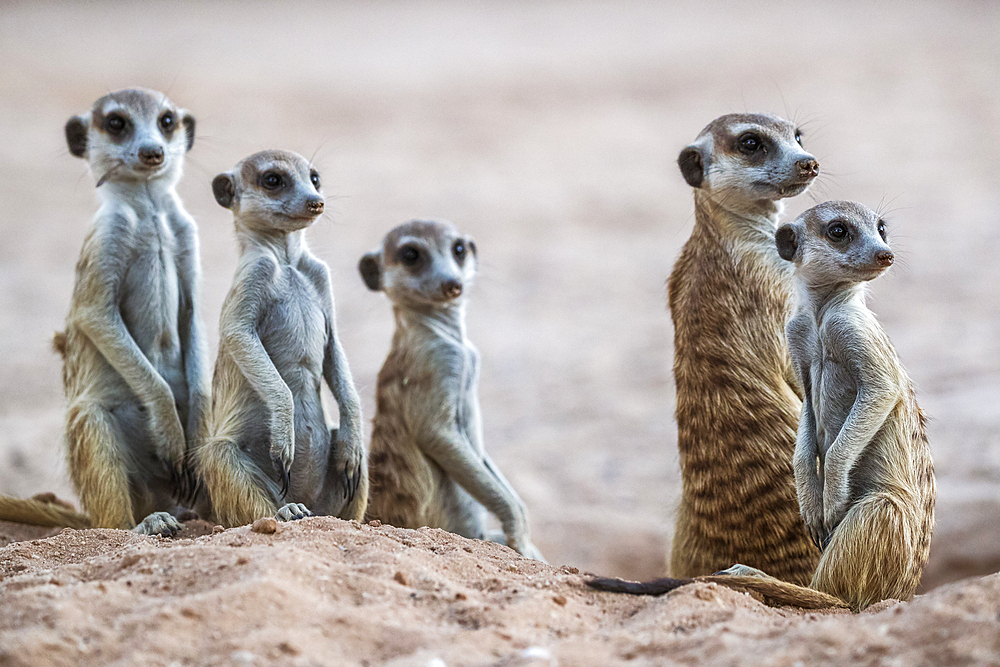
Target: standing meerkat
x=737, y=396
x=134, y=349
x=429, y=466
x=268, y=448
x=863, y=466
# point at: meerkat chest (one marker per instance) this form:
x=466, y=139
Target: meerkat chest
x=834, y=391
x=150, y=298
x=293, y=326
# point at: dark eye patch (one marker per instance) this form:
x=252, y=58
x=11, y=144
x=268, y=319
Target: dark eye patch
x=409, y=256
x=838, y=231
x=272, y=180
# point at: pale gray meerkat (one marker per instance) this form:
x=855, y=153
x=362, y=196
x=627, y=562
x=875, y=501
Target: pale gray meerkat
x=429, y=466
x=737, y=396
x=862, y=462
x=268, y=448
x=135, y=358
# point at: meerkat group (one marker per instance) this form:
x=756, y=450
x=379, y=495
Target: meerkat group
x=807, y=477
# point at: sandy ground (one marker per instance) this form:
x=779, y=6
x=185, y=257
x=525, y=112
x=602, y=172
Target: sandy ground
x=549, y=132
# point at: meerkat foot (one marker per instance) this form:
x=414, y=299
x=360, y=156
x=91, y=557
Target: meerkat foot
x=739, y=570
x=161, y=524
x=293, y=512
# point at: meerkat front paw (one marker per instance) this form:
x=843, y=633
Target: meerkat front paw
x=168, y=435
x=292, y=512
x=283, y=455
x=350, y=460
x=163, y=524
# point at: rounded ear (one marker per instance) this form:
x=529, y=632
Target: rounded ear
x=370, y=268
x=788, y=244
x=76, y=135
x=692, y=165
x=224, y=190
x=187, y=120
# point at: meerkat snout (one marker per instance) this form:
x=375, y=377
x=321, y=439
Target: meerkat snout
x=452, y=289
x=885, y=258
x=808, y=167
x=151, y=155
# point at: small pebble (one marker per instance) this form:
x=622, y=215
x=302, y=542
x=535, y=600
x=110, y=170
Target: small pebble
x=265, y=525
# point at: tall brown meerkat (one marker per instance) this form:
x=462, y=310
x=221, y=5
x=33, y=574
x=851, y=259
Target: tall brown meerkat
x=134, y=349
x=268, y=448
x=863, y=466
x=429, y=466
x=737, y=396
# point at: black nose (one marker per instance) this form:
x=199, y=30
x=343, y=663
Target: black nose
x=315, y=206
x=451, y=289
x=151, y=155
x=885, y=258
x=808, y=167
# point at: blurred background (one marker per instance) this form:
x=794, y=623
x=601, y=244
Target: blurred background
x=548, y=131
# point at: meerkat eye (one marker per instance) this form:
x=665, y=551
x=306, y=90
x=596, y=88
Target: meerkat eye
x=749, y=143
x=798, y=137
x=459, y=251
x=314, y=177
x=115, y=124
x=837, y=231
x=881, y=230
x=167, y=122
x=409, y=255
x=271, y=180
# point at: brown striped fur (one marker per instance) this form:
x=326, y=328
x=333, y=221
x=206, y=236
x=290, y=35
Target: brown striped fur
x=737, y=396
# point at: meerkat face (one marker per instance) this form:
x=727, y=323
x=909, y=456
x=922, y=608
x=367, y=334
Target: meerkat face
x=132, y=135
x=836, y=242
x=749, y=157
x=271, y=190
x=421, y=263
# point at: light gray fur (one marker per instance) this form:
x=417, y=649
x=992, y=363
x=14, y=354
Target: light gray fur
x=136, y=357
x=278, y=343
x=429, y=465
x=852, y=378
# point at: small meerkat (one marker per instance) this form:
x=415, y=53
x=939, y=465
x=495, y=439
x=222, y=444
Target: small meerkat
x=737, y=396
x=862, y=462
x=268, y=448
x=429, y=466
x=135, y=357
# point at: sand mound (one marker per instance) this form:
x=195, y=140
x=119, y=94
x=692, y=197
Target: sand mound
x=328, y=592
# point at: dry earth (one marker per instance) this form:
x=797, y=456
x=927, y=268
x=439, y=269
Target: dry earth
x=547, y=130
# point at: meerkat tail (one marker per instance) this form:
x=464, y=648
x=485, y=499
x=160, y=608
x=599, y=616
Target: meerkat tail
x=59, y=343
x=654, y=587
x=236, y=491
x=35, y=512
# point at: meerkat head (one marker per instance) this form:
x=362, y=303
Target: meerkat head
x=836, y=242
x=271, y=190
x=132, y=135
x=421, y=263
x=749, y=157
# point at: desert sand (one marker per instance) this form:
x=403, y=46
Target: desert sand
x=549, y=132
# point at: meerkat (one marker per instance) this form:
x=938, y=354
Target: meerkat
x=134, y=347
x=268, y=449
x=429, y=466
x=737, y=396
x=862, y=462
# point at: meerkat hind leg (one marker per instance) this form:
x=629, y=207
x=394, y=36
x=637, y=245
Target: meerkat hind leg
x=97, y=465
